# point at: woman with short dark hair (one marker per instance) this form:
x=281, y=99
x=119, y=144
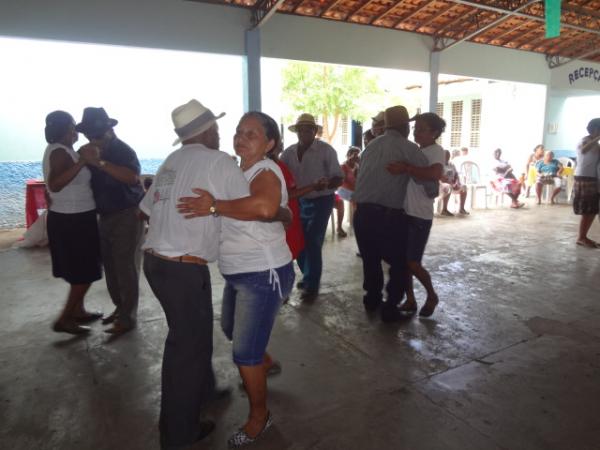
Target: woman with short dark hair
x=72, y=225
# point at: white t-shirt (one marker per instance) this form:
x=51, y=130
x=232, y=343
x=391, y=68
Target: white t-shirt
x=251, y=246
x=192, y=166
x=417, y=203
x=75, y=197
x=587, y=163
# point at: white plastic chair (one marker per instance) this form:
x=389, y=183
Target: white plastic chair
x=471, y=178
x=568, y=174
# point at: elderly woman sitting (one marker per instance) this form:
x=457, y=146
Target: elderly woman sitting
x=549, y=171
x=504, y=180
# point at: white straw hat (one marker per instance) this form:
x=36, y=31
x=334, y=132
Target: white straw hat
x=192, y=119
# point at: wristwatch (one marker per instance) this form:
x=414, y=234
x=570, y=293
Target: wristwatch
x=213, y=209
x=102, y=163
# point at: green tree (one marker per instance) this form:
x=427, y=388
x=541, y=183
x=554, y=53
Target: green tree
x=330, y=92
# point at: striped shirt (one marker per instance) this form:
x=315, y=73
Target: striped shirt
x=374, y=183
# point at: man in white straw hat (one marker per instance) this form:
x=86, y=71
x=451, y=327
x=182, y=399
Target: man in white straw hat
x=378, y=124
x=177, y=251
x=313, y=162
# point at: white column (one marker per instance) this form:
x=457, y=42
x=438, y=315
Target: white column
x=252, y=94
x=434, y=71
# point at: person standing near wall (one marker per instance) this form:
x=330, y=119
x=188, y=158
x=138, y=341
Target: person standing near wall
x=117, y=192
x=585, y=189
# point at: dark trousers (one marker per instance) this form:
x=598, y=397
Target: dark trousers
x=188, y=380
x=120, y=241
x=314, y=214
x=381, y=236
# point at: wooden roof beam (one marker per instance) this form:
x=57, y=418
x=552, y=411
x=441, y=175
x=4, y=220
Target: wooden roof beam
x=459, y=19
x=330, y=7
x=357, y=10
x=505, y=32
x=385, y=13
x=416, y=11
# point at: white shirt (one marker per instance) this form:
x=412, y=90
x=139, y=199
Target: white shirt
x=192, y=166
x=75, y=197
x=320, y=160
x=587, y=163
x=417, y=203
x=251, y=246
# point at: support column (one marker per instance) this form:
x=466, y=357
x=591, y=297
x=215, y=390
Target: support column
x=252, y=92
x=434, y=71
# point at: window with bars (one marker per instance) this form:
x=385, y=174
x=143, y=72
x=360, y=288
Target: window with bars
x=475, y=122
x=439, y=110
x=344, y=130
x=456, y=124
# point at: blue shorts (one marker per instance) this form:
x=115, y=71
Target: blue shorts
x=417, y=236
x=251, y=301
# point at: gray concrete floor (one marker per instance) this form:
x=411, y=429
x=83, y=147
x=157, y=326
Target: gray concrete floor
x=510, y=360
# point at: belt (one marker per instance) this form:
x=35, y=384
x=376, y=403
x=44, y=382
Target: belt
x=190, y=259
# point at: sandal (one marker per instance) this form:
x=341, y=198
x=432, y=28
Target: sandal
x=588, y=243
x=429, y=307
x=240, y=438
x=342, y=233
x=275, y=369
x=409, y=308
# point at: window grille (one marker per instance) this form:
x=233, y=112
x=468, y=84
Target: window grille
x=475, y=122
x=456, y=126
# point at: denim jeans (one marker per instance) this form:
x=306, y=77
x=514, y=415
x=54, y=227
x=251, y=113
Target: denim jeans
x=188, y=380
x=250, y=304
x=314, y=213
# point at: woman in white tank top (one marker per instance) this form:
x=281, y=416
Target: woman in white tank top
x=72, y=226
x=255, y=260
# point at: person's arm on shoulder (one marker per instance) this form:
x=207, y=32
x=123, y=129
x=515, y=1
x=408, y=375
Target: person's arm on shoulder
x=62, y=170
x=589, y=144
x=263, y=203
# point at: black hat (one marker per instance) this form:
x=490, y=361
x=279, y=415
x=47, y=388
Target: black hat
x=57, y=125
x=95, y=122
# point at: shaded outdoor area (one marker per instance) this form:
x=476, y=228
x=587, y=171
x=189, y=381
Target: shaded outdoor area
x=509, y=360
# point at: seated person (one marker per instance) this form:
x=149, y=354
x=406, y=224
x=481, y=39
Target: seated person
x=504, y=180
x=549, y=171
x=449, y=183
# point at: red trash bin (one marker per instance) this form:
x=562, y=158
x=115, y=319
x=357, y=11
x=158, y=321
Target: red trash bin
x=35, y=199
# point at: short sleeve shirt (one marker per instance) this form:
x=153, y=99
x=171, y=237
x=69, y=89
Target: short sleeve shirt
x=192, y=166
x=320, y=160
x=112, y=195
x=418, y=203
x=550, y=168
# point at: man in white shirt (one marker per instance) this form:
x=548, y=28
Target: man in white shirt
x=177, y=251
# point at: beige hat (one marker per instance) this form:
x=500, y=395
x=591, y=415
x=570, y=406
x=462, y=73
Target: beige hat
x=304, y=119
x=378, y=118
x=396, y=116
x=192, y=119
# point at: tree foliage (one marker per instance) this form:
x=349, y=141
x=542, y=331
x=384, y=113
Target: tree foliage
x=329, y=93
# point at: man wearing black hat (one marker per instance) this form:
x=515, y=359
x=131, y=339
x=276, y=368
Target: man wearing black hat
x=117, y=192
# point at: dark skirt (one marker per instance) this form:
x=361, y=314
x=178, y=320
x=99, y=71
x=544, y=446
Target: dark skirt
x=585, y=196
x=75, y=246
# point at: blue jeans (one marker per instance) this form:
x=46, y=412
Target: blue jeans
x=314, y=214
x=251, y=301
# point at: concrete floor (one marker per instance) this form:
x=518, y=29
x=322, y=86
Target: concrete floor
x=510, y=360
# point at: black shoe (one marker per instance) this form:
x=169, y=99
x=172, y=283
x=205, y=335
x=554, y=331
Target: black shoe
x=221, y=393
x=205, y=427
x=391, y=314
x=300, y=285
x=371, y=304
x=309, y=295
x=111, y=318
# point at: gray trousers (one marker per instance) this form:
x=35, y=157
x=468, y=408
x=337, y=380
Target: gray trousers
x=120, y=240
x=188, y=380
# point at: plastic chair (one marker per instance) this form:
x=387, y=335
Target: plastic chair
x=568, y=173
x=471, y=178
